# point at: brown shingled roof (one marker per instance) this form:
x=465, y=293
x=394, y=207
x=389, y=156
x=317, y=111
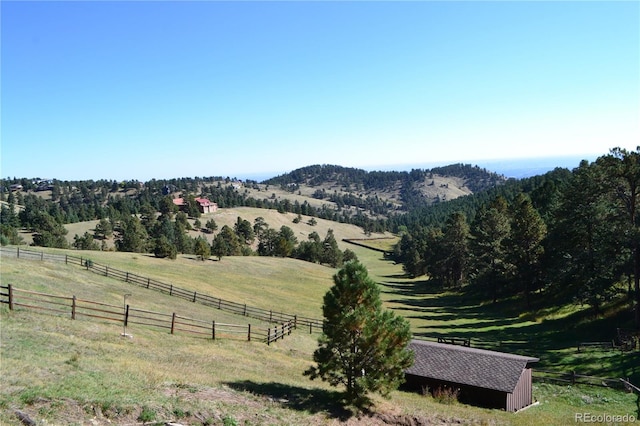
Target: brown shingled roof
x=468, y=366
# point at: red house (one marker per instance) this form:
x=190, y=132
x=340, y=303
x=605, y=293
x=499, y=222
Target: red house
x=204, y=205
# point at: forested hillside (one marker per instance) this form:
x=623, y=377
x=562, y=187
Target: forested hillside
x=566, y=236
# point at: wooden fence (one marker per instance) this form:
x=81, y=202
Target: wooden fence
x=573, y=378
x=312, y=324
x=74, y=308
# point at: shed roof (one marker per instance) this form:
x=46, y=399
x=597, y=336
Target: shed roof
x=468, y=366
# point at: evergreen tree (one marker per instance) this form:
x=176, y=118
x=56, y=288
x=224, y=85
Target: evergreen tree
x=85, y=242
x=164, y=248
x=363, y=347
x=586, y=256
x=525, y=244
x=103, y=229
x=285, y=242
x=331, y=254
x=489, y=234
x=455, y=246
x=267, y=242
x=622, y=176
x=244, y=230
x=132, y=236
x=211, y=226
x=202, y=249
x=219, y=247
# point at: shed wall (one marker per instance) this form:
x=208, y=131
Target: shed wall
x=521, y=396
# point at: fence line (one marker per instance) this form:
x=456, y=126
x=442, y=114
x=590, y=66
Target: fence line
x=126, y=315
x=574, y=378
x=313, y=324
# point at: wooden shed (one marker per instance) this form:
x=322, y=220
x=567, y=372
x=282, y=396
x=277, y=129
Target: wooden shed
x=486, y=378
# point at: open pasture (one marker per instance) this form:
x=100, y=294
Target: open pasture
x=71, y=372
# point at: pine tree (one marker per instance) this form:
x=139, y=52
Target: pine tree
x=363, y=347
x=622, y=171
x=490, y=231
x=528, y=230
x=202, y=249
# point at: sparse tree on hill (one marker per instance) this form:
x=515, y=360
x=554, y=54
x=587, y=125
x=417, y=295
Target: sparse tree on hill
x=85, y=242
x=132, y=236
x=331, y=253
x=103, y=229
x=363, y=346
x=202, y=249
x=211, y=226
x=164, y=248
x=285, y=242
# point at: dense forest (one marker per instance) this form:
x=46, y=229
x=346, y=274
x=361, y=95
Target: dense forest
x=566, y=235
x=569, y=234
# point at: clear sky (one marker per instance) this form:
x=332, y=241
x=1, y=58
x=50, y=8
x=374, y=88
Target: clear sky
x=141, y=90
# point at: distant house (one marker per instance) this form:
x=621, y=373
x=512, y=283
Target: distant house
x=204, y=205
x=15, y=187
x=486, y=378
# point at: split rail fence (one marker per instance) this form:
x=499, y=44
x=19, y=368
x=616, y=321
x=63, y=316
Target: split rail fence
x=127, y=315
x=312, y=324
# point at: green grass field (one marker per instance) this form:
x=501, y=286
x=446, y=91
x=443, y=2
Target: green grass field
x=83, y=372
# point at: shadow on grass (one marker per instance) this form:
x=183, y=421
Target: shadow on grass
x=298, y=398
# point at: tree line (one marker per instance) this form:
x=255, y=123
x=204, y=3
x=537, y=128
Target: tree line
x=567, y=234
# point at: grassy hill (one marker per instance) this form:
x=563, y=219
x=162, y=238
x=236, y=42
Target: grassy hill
x=229, y=216
x=84, y=372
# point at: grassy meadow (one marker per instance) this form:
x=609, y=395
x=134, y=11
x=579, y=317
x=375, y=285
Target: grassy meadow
x=80, y=372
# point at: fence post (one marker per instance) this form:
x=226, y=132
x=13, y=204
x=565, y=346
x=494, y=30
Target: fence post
x=173, y=321
x=126, y=278
x=171, y=290
x=66, y=259
x=106, y=271
x=148, y=282
x=194, y=297
x=18, y=253
x=295, y=322
x=310, y=327
x=126, y=316
x=270, y=316
x=573, y=377
x=10, y=297
x=213, y=330
x=219, y=303
x=245, y=310
x=249, y=332
x=268, y=336
x=41, y=255
x=73, y=307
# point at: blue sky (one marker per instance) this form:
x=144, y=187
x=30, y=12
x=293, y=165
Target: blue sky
x=141, y=90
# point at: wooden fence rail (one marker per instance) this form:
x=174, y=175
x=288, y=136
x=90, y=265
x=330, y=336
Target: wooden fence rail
x=313, y=324
x=571, y=377
x=127, y=315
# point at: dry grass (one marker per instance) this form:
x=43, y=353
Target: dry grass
x=81, y=372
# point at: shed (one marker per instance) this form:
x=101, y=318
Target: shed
x=486, y=378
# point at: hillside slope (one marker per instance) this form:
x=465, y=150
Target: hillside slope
x=82, y=372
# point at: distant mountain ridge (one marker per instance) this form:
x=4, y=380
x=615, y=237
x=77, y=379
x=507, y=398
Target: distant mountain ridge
x=405, y=188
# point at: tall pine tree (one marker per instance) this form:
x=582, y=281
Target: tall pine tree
x=363, y=347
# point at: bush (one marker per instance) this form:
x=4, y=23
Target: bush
x=446, y=395
x=147, y=415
